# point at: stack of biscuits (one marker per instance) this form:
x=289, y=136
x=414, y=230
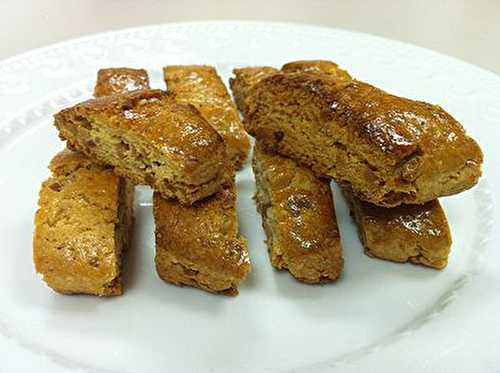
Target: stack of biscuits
x=312, y=123
x=185, y=143
x=391, y=156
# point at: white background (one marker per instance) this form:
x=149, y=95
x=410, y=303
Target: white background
x=466, y=29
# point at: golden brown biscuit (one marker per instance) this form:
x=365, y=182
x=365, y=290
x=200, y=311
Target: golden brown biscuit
x=151, y=139
x=298, y=216
x=82, y=227
x=391, y=150
x=199, y=245
x=316, y=67
x=101, y=273
x=406, y=233
x=243, y=81
x=415, y=233
x=115, y=80
x=202, y=87
x=385, y=232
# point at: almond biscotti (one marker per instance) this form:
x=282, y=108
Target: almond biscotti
x=200, y=245
x=118, y=80
x=151, y=139
x=82, y=227
x=391, y=150
x=408, y=233
x=202, y=87
x=298, y=217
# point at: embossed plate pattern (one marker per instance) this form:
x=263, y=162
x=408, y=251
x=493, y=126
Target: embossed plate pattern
x=380, y=315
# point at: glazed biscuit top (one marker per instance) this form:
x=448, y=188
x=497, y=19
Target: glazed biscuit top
x=205, y=233
x=91, y=178
x=316, y=67
x=387, y=129
x=81, y=204
x=251, y=75
x=202, y=87
x=245, y=79
x=118, y=80
x=426, y=221
x=178, y=130
x=303, y=204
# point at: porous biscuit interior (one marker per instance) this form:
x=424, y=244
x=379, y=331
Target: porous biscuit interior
x=136, y=158
x=291, y=130
x=82, y=227
x=312, y=119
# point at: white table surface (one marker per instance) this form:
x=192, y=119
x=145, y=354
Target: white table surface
x=469, y=30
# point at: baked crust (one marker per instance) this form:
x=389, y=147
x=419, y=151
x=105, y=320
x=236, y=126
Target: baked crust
x=82, y=227
x=245, y=78
x=297, y=208
x=408, y=233
x=118, y=80
x=416, y=233
x=316, y=67
x=202, y=87
x=200, y=245
x=391, y=150
x=298, y=216
x=151, y=139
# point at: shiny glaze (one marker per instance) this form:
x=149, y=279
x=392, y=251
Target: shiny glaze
x=448, y=133
x=303, y=213
x=176, y=129
x=316, y=67
x=424, y=221
x=398, y=127
x=424, y=225
x=204, y=234
x=74, y=242
x=202, y=87
x=412, y=150
x=243, y=81
x=120, y=80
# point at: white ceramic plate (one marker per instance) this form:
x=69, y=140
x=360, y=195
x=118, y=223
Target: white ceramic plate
x=379, y=316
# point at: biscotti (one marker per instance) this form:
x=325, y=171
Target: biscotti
x=82, y=226
x=118, y=80
x=408, y=233
x=298, y=217
x=151, y=139
x=245, y=78
x=416, y=233
x=202, y=87
x=200, y=245
x=391, y=150
x=399, y=233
